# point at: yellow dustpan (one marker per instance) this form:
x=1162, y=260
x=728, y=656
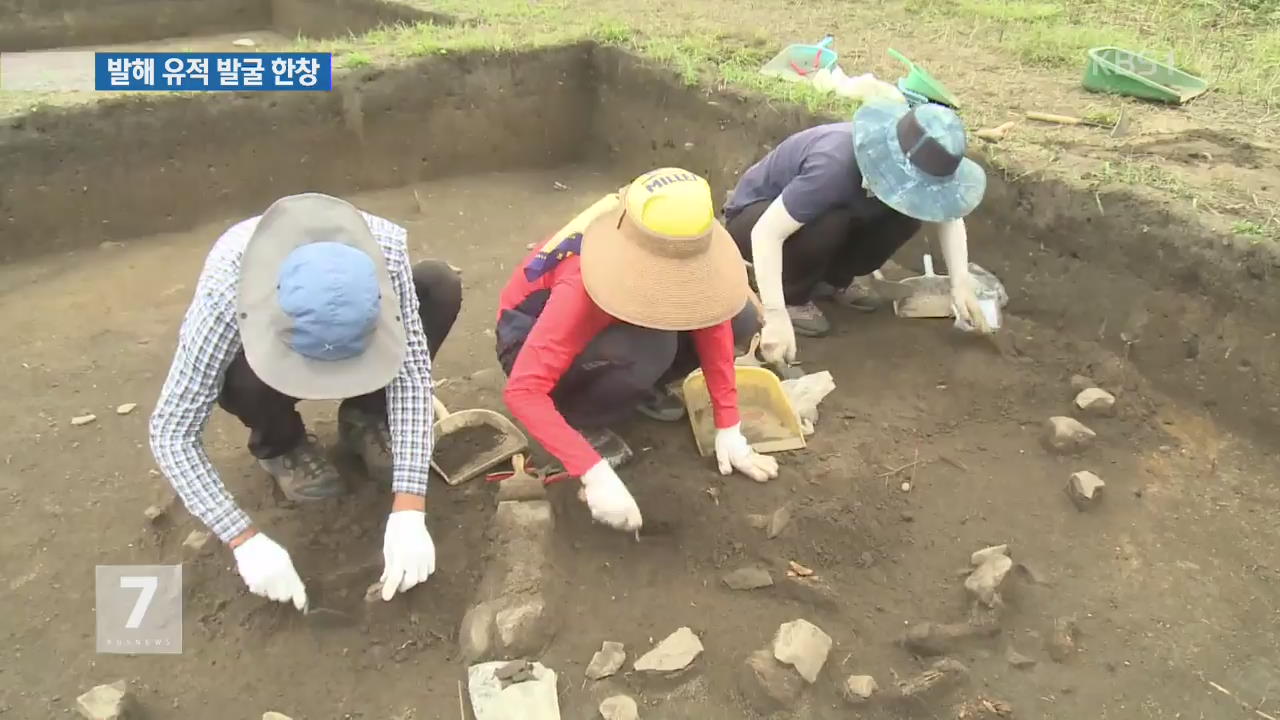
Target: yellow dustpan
x=768, y=419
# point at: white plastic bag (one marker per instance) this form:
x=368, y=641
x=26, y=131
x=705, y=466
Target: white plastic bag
x=805, y=393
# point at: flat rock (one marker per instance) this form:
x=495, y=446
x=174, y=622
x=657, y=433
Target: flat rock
x=244, y=42
x=1096, y=401
x=980, y=557
x=83, y=419
x=521, y=626
x=607, y=660
x=857, y=689
x=273, y=715
x=476, y=634
x=619, y=707
x=748, y=578
x=984, y=583
x=930, y=638
x=768, y=684
x=1080, y=383
x=778, y=521
x=105, y=702
x=1017, y=659
x=1085, y=489
x=759, y=522
x=495, y=699
x=126, y=408
x=673, y=654
x=804, y=646
x=196, y=541
x=811, y=590
x=1067, y=435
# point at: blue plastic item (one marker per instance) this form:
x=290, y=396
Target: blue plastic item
x=800, y=62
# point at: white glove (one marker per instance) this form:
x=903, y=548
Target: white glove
x=268, y=571
x=964, y=303
x=733, y=452
x=609, y=500
x=408, y=552
x=778, y=338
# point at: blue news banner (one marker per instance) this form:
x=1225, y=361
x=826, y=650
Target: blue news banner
x=202, y=71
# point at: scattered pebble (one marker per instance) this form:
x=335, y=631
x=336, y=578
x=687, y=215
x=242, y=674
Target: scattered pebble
x=196, y=541
x=804, y=646
x=619, y=707
x=943, y=672
x=607, y=660
x=748, y=578
x=1062, y=644
x=906, y=487
x=1017, y=659
x=105, y=702
x=799, y=570
x=153, y=513
x=273, y=715
x=907, y=517
x=83, y=419
x=1085, y=489
x=1096, y=401
x=244, y=42
x=866, y=560
x=759, y=522
x=984, y=583
x=673, y=654
x=778, y=521
x=126, y=408
x=557, y=185
x=1067, y=435
x=980, y=557
x=857, y=689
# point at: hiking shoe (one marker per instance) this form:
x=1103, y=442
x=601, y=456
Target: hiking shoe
x=368, y=438
x=808, y=320
x=611, y=447
x=858, y=296
x=662, y=405
x=304, y=474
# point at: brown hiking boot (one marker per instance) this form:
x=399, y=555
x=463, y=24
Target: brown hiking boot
x=304, y=474
x=368, y=438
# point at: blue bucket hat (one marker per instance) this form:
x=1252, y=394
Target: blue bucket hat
x=318, y=317
x=913, y=160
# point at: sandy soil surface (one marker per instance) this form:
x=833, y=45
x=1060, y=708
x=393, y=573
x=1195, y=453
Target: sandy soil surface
x=1172, y=578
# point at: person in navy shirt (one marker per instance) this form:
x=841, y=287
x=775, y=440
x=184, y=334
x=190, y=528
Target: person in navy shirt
x=833, y=203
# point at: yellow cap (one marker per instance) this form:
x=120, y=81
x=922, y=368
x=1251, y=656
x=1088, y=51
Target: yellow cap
x=671, y=202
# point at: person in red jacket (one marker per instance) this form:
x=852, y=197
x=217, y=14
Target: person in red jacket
x=634, y=293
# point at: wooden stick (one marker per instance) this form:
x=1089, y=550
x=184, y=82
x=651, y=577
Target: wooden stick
x=897, y=470
x=1054, y=118
x=462, y=707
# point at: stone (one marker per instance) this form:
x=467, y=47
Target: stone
x=768, y=684
x=244, y=42
x=813, y=591
x=673, y=654
x=153, y=513
x=126, y=408
x=607, y=660
x=930, y=638
x=858, y=689
x=105, y=702
x=273, y=715
x=981, y=556
x=476, y=634
x=494, y=699
x=519, y=626
x=778, y=522
x=619, y=707
x=1085, y=489
x=1067, y=435
x=804, y=646
x=748, y=578
x=1096, y=401
x=1080, y=383
x=196, y=541
x=943, y=672
x=79, y=420
x=759, y=522
x=1017, y=659
x=521, y=487
x=1062, y=644
x=984, y=583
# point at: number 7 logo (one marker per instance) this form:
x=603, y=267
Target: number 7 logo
x=147, y=584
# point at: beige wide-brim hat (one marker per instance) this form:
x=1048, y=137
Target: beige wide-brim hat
x=265, y=329
x=661, y=281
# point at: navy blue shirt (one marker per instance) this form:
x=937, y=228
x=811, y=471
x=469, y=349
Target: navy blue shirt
x=814, y=171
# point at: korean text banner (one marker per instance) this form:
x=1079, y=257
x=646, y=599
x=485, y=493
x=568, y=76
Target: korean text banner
x=204, y=72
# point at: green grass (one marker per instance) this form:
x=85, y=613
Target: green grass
x=1248, y=227
x=356, y=59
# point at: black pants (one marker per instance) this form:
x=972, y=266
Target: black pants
x=835, y=248
x=618, y=367
x=275, y=427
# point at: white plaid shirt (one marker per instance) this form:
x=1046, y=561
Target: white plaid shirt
x=209, y=339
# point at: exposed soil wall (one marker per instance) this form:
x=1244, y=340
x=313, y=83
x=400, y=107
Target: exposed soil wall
x=36, y=24
x=1195, y=316
x=137, y=167
x=332, y=18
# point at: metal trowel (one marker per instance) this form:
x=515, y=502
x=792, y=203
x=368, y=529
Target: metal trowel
x=922, y=296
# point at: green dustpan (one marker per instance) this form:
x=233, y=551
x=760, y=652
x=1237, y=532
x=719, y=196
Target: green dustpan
x=920, y=83
x=1116, y=70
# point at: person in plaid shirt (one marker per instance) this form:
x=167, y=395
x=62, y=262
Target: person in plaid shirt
x=312, y=300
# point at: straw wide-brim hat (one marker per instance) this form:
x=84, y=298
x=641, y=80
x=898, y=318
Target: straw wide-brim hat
x=660, y=281
x=265, y=329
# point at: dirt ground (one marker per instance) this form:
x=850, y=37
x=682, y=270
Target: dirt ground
x=1172, y=578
